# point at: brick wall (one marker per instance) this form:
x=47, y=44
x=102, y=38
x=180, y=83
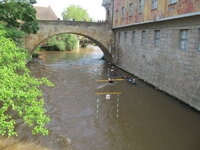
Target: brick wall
x=164, y=9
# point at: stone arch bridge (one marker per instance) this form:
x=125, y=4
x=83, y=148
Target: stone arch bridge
x=99, y=33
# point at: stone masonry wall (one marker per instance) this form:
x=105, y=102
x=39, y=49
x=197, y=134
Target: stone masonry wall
x=99, y=33
x=168, y=68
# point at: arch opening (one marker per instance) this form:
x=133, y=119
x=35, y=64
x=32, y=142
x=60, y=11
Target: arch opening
x=105, y=51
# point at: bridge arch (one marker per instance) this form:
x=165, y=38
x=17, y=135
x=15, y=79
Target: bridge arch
x=104, y=49
x=99, y=33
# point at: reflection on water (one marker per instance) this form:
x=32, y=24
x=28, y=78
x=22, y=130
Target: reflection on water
x=141, y=118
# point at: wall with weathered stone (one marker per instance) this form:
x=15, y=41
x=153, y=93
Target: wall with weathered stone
x=168, y=68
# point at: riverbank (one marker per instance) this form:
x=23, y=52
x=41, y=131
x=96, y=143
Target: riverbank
x=13, y=144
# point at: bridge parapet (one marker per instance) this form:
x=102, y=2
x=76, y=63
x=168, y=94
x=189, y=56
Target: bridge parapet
x=66, y=22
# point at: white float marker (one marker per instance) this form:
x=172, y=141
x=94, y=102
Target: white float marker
x=118, y=97
x=97, y=114
x=117, y=106
x=108, y=96
x=98, y=107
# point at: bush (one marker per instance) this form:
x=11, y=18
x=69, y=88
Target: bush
x=61, y=45
x=62, y=42
x=19, y=91
x=71, y=42
x=35, y=55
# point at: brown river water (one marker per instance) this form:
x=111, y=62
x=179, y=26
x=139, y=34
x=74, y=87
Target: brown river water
x=140, y=118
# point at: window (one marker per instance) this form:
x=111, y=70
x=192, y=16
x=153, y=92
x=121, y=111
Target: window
x=172, y=1
x=131, y=9
x=157, y=38
x=154, y=4
x=125, y=36
x=116, y=15
x=183, y=39
x=133, y=37
x=119, y=36
x=141, y=6
x=143, y=37
x=123, y=12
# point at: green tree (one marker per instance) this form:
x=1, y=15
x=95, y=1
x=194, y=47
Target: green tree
x=19, y=15
x=27, y=1
x=63, y=42
x=71, y=41
x=14, y=34
x=19, y=91
x=75, y=12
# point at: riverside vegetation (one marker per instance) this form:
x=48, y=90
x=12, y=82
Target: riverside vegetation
x=19, y=93
x=61, y=42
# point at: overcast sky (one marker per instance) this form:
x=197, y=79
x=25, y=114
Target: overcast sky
x=94, y=8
